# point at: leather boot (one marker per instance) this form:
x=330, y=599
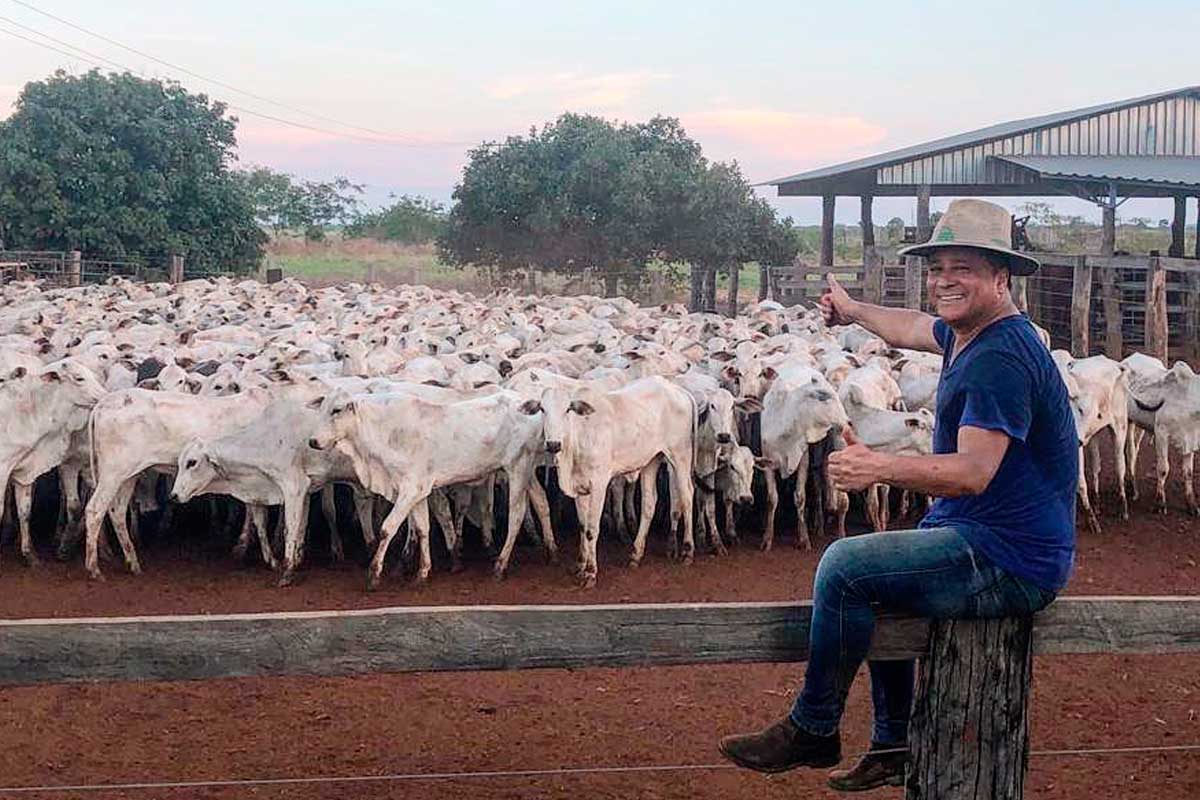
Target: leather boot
x=873, y=770
x=781, y=747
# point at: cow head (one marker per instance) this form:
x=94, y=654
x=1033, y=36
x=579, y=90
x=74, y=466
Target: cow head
x=80, y=384
x=196, y=470
x=337, y=418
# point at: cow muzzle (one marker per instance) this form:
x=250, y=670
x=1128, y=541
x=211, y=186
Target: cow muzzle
x=553, y=447
x=314, y=444
x=724, y=438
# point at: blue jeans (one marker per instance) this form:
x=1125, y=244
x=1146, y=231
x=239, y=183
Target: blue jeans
x=926, y=573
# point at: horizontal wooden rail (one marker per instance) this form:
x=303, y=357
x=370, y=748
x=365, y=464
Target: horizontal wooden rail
x=519, y=637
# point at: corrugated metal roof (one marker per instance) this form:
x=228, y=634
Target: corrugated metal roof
x=1175, y=170
x=974, y=137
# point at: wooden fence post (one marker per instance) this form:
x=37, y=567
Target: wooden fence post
x=1110, y=295
x=1191, y=314
x=735, y=269
x=176, y=269
x=75, y=269
x=969, y=736
x=1081, y=306
x=1156, y=309
x=912, y=282
x=764, y=281
x=828, y=206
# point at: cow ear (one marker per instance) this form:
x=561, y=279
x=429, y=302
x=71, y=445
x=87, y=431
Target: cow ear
x=279, y=376
x=730, y=372
x=854, y=394
x=316, y=402
x=51, y=376
x=751, y=405
x=531, y=407
x=703, y=415
x=581, y=407
x=769, y=373
x=439, y=384
x=505, y=367
x=150, y=384
x=722, y=355
x=19, y=372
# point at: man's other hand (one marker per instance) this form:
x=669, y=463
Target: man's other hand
x=836, y=305
x=857, y=466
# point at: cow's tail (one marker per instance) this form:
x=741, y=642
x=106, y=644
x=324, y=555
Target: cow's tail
x=92, y=444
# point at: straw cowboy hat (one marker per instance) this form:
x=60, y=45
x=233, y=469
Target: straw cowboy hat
x=980, y=225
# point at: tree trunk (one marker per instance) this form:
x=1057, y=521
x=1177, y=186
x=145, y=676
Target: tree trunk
x=969, y=736
x=734, y=271
x=764, y=281
x=697, y=273
x=710, y=290
x=610, y=282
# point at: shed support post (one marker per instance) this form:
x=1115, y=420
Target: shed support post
x=1197, y=252
x=828, y=204
x=1156, y=309
x=1108, y=243
x=969, y=736
x=924, y=229
x=1081, y=304
x=872, y=268
x=75, y=269
x=1178, y=227
x=912, y=282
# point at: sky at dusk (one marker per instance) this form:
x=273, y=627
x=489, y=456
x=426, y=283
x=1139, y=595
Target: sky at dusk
x=778, y=86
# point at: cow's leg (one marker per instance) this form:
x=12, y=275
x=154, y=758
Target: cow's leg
x=885, y=500
x=1085, y=502
x=257, y=514
x=871, y=498
x=800, y=495
x=518, y=502
x=1162, y=469
x=1188, y=471
x=364, y=510
x=631, y=510
x=295, y=517
x=768, y=537
x=1120, y=435
x=647, y=480
x=708, y=501
x=238, y=553
x=730, y=526
x=418, y=528
x=93, y=522
x=487, y=513
x=23, y=501
x=905, y=504
x=68, y=534
x=439, y=504
x=614, y=508
x=401, y=508
x=591, y=512
x=541, y=509
x=117, y=515
x=1093, y=458
x=679, y=470
x=1133, y=443
x=329, y=511
x=840, y=502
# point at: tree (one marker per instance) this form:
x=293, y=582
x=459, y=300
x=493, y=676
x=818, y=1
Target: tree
x=412, y=220
x=281, y=202
x=581, y=195
x=895, y=230
x=119, y=165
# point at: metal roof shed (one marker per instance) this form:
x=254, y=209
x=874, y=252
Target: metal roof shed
x=1142, y=147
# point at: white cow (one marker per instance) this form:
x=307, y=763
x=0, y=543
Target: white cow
x=1169, y=407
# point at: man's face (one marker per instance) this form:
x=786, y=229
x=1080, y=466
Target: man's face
x=963, y=287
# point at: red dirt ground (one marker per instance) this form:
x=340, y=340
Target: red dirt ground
x=440, y=723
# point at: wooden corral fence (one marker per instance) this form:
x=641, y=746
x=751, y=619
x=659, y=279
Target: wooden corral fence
x=970, y=729
x=71, y=268
x=1114, y=305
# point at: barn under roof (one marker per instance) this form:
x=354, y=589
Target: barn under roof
x=1141, y=147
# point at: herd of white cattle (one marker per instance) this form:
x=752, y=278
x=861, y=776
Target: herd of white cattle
x=422, y=401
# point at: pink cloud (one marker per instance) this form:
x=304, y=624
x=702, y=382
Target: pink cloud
x=804, y=139
x=606, y=91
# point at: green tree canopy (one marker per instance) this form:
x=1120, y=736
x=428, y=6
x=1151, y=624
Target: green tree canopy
x=282, y=202
x=411, y=220
x=119, y=165
x=586, y=194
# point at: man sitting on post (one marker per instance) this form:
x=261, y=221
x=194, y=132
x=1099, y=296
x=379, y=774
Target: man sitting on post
x=1000, y=538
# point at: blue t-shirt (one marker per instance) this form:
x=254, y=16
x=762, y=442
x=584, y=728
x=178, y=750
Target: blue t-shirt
x=1005, y=380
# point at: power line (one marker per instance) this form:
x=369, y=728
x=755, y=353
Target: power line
x=515, y=773
x=87, y=53
x=384, y=137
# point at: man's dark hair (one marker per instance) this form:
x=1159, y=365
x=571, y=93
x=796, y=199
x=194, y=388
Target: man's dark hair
x=998, y=262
